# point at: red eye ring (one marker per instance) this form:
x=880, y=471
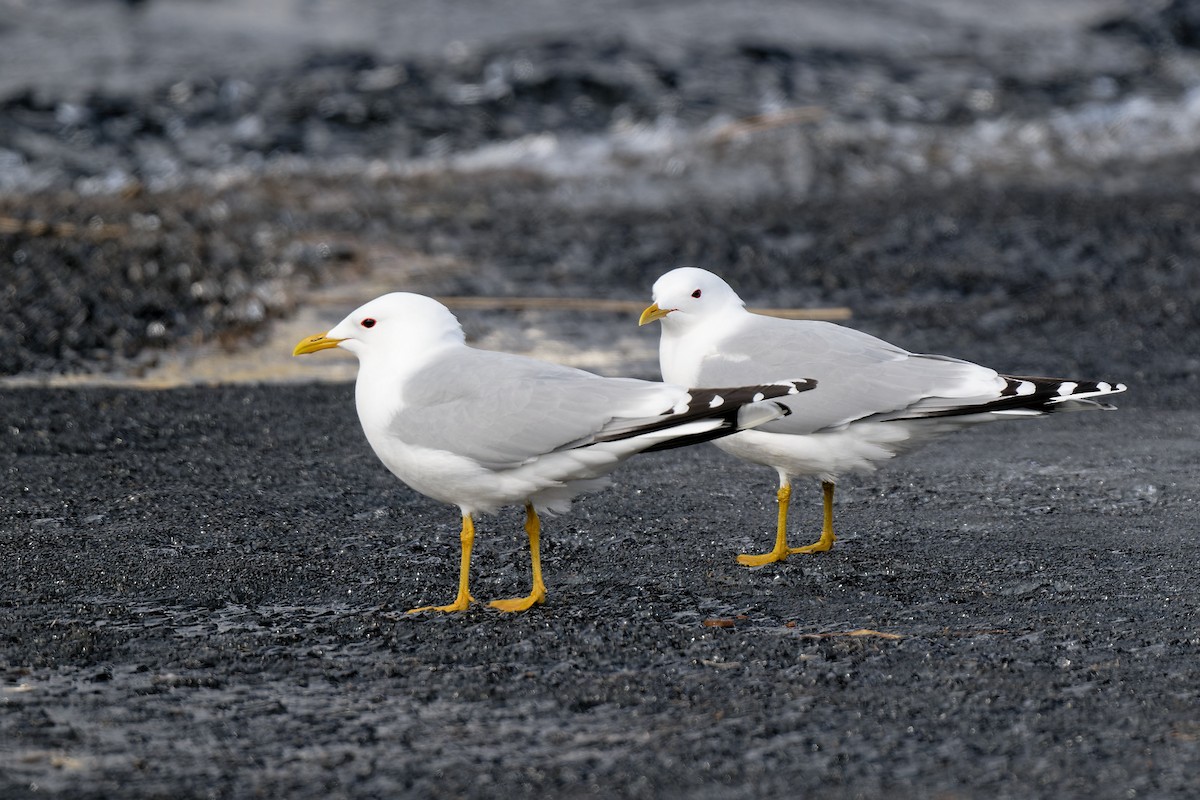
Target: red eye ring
x=369, y=322
x=696, y=294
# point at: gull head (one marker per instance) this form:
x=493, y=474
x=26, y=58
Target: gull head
x=392, y=326
x=688, y=295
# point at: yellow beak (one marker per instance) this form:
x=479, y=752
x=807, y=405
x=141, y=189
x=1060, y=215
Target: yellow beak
x=312, y=344
x=652, y=313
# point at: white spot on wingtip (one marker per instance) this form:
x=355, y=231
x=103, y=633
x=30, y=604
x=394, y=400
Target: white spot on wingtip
x=1025, y=387
x=1067, y=387
x=1104, y=386
x=757, y=397
x=716, y=401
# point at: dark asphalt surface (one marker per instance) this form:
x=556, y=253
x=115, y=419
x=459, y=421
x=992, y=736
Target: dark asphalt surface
x=203, y=592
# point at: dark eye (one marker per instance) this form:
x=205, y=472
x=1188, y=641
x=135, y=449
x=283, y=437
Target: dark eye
x=696, y=293
x=368, y=323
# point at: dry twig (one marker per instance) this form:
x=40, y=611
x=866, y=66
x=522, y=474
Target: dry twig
x=616, y=306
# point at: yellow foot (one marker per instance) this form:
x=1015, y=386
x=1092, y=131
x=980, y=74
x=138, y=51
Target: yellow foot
x=748, y=560
x=519, y=603
x=822, y=545
x=461, y=603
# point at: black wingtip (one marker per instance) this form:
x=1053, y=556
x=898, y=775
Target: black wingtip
x=723, y=404
x=1036, y=395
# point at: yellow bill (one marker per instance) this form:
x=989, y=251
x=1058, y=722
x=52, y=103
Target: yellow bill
x=652, y=313
x=312, y=344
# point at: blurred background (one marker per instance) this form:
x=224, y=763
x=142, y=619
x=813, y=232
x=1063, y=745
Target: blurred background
x=189, y=186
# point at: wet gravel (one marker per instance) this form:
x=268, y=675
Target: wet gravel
x=105, y=283
x=1032, y=280
x=1027, y=280
x=204, y=589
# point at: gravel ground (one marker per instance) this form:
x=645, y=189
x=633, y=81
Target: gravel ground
x=202, y=589
x=1031, y=281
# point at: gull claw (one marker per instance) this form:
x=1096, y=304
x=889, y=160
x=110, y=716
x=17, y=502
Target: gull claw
x=751, y=560
x=822, y=545
x=461, y=603
x=519, y=603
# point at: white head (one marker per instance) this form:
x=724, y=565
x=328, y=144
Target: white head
x=392, y=326
x=689, y=294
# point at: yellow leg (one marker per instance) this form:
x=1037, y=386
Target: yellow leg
x=825, y=543
x=464, y=572
x=533, y=528
x=780, y=551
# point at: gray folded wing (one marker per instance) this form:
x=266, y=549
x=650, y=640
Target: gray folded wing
x=858, y=376
x=502, y=410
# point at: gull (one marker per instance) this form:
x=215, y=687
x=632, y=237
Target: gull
x=874, y=399
x=480, y=429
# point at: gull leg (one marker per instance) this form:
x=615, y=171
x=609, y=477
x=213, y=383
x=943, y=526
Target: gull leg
x=533, y=527
x=464, y=571
x=827, y=539
x=780, y=551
